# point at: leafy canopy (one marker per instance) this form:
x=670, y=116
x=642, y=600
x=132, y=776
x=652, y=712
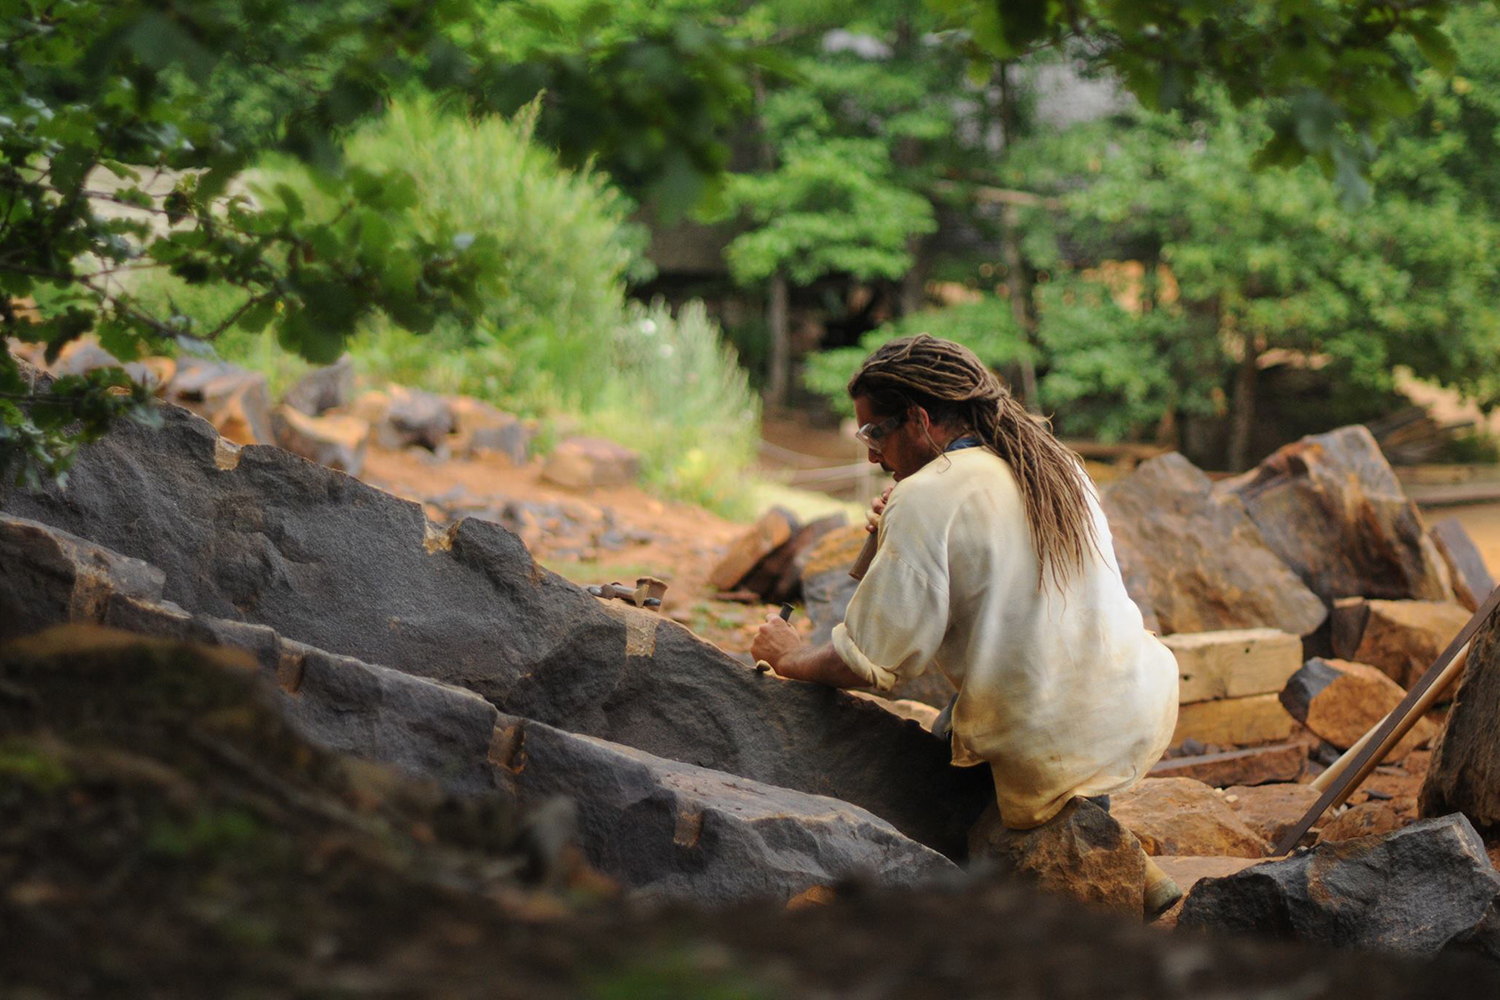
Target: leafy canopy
x=152, y=92
x=1332, y=70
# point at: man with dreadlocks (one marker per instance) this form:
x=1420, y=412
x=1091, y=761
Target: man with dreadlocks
x=995, y=566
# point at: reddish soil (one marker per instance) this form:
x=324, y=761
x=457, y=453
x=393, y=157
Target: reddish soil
x=678, y=543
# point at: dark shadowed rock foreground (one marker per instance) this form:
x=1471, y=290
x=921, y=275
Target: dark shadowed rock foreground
x=1465, y=772
x=168, y=838
x=1416, y=891
x=684, y=832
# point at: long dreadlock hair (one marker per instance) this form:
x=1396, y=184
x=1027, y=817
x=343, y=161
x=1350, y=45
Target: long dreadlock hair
x=955, y=387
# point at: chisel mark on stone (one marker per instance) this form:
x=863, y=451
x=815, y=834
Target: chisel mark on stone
x=226, y=454
x=435, y=539
x=508, y=748
x=640, y=627
x=689, y=828
x=289, y=670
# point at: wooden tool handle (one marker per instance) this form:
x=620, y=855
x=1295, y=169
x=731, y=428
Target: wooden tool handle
x=1401, y=718
x=866, y=556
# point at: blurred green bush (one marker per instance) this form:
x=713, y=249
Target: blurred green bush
x=556, y=337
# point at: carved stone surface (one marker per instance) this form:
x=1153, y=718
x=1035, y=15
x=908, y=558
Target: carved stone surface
x=259, y=535
x=676, y=831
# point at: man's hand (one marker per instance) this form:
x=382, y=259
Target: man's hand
x=774, y=640
x=877, y=507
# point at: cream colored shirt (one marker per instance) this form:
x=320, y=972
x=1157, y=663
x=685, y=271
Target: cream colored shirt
x=1061, y=690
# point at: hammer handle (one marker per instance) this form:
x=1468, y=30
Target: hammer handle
x=866, y=556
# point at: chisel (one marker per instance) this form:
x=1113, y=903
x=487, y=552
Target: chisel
x=761, y=666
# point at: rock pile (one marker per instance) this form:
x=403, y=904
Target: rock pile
x=321, y=417
x=444, y=650
x=767, y=563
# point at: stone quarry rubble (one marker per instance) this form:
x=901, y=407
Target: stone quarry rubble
x=1301, y=600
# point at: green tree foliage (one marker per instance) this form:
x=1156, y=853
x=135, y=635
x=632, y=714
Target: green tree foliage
x=1261, y=260
x=833, y=206
x=986, y=326
x=648, y=91
x=93, y=87
x=201, y=91
x=561, y=239
x=848, y=151
x=1333, y=70
x=554, y=336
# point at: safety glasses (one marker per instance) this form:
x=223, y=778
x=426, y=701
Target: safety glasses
x=871, y=434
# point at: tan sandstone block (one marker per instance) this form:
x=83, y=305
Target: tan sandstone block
x=1257, y=718
x=1233, y=663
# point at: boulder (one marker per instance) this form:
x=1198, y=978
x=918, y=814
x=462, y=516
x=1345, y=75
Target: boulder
x=1194, y=557
x=1271, y=810
x=1472, y=581
x=1081, y=853
x=263, y=536
x=412, y=418
x=1233, y=663
x=678, y=831
x=334, y=440
x=1181, y=816
x=1251, y=766
x=478, y=426
x=826, y=583
x=422, y=726
x=582, y=463
x=1340, y=701
x=51, y=577
x=1464, y=775
x=237, y=402
x=776, y=577
x=1332, y=509
x=1416, y=891
x=1401, y=638
x=1367, y=819
x=322, y=389
x=771, y=530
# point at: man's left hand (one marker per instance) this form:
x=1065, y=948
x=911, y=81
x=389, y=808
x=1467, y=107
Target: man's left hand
x=774, y=640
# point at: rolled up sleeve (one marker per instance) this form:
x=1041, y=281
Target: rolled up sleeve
x=896, y=619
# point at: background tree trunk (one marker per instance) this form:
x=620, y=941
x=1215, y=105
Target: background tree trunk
x=1016, y=286
x=1242, y=407
x=1010, y=251
x=779, y=362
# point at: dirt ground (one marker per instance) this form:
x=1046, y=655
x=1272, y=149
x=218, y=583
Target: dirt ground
x=677, y=543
